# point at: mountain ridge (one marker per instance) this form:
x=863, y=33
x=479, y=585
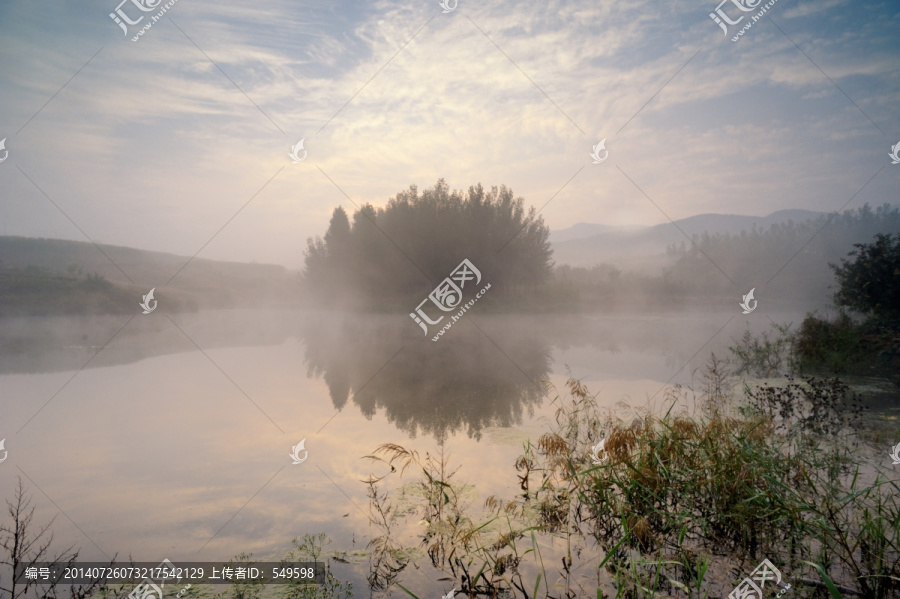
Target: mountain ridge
x=644, y=248
x=585, y=230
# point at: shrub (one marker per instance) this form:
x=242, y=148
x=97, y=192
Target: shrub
x=871, y=282
x=832, y=345
x=766, y=355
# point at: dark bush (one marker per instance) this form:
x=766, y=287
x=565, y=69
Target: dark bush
x=832, y=345
x=871, y=282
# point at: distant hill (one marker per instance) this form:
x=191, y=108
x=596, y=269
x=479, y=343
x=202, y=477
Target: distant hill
x=735, y=223
x=94, y=278
x=583, y=230
x=644, y=248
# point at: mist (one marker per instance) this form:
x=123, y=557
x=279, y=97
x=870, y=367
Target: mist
x=493, y=300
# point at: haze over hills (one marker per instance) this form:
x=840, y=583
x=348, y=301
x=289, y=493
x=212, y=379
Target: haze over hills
x=583, y=244
x=644, y=248
x=53, y=276
x=77, y=276
x=114, y=262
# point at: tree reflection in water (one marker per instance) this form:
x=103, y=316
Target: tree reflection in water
x=476, y=377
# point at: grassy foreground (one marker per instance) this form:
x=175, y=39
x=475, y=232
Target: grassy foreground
x=671, y=505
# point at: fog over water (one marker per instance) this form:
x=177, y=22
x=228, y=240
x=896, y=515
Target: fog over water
x=170, y=441
x=217, y=225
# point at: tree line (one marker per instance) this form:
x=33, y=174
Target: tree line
x=388, y=257
x=800, y=251
x=788, y=263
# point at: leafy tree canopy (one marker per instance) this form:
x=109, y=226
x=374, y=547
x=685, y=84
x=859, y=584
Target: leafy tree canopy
x=407, y=247
x=870, y=283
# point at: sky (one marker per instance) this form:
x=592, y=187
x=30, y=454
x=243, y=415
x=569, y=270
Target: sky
x=179, y=142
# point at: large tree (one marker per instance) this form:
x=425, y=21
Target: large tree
x=407, y=247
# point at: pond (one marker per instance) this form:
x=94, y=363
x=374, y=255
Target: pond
x=170, y=435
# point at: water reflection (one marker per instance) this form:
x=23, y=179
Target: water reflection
x=468, y=381
x=485, y=372
x=57, y=343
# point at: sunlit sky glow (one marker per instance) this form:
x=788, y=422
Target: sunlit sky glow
x=152, y=145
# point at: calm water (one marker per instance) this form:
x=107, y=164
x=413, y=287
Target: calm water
x=173, y=440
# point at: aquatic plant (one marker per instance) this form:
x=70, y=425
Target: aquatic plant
x=677, y=504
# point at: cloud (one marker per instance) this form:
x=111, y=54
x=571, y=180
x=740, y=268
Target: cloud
x=164, y=140
x=805, y=9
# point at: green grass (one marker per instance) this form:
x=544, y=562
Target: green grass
x=682, y=506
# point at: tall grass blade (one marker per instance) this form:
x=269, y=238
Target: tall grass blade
x=835, y=594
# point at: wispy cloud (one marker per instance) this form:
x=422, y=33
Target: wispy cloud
x=153, y=146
